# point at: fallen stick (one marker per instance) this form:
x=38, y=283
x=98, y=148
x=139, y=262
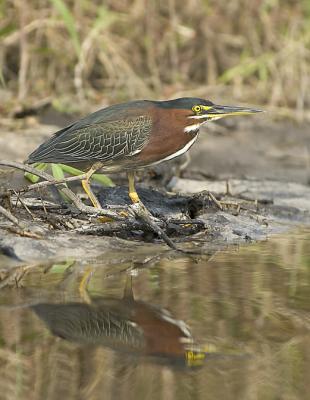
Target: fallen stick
x=130, y=224
x=141, y=212
x=56, y=182
x=76, y=201
x=20, y=228
x=137, y=210
x=8, y=215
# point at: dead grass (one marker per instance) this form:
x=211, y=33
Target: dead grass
x=122, y=49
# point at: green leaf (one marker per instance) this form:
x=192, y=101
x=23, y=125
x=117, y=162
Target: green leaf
x=34, y=178
x=247, y=67
x=105, y=180
x=71, y=170
x=69, y=22
x=104, y=18
x=101, y=178
x=7, y=29
x=57, y=172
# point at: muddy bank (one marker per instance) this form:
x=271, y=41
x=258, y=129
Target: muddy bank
x=255, y=210
x=231, y=161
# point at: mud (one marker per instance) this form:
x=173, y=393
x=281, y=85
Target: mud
x=259, y=170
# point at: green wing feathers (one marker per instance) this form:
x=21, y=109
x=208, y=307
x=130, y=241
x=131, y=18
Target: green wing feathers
x=103, y=141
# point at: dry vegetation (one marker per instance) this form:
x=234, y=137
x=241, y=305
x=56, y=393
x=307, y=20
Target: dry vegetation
x=119, y=49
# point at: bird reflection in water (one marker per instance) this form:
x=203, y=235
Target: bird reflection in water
x=124, y=325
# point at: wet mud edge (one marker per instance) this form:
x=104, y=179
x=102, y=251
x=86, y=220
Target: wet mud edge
x=252, y=210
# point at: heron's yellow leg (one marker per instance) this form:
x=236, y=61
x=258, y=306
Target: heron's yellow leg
x=87, y=188
x=94, y=200
x=89, y=192
x=83, y=284
x=132, y=190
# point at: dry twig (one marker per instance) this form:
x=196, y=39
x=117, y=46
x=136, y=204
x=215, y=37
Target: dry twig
x=138, y=210
x=66, y=191
x=8, y=215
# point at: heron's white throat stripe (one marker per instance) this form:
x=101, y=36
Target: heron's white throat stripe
x=210, y=117
x=179, y=152
x=202, y=116
x=192, y=128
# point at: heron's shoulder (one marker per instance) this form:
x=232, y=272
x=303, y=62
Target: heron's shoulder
x=116, y=112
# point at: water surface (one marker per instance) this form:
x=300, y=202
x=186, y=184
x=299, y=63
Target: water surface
x=231, y=326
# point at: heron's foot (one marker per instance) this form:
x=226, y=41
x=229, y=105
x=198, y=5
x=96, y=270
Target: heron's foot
x=134, y=197
x=101, y=218
x=96, y=204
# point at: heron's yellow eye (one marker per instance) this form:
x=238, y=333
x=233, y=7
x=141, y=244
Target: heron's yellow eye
x=196, y=109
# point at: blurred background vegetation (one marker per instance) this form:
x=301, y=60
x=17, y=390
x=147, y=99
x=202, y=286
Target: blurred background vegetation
x=97, y=51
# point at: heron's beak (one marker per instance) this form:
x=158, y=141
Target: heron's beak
x=216, y=112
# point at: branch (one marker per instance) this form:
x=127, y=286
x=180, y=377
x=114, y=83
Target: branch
x=76, y=201
x=138, y=210
x=56, y=182
x=27, y=168
x=142, y=214
x=20, y=228
x=8, y=215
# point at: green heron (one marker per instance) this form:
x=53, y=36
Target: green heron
x=130, y=136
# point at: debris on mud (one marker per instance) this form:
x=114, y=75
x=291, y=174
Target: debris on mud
x=251, y=210
x=42, y=226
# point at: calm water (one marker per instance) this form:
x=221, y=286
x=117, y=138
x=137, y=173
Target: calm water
x=231, y=326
